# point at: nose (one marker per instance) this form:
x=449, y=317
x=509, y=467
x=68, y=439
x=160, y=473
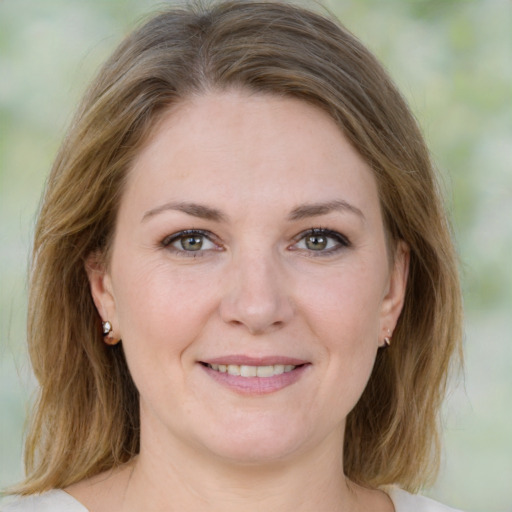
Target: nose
x=256, y=294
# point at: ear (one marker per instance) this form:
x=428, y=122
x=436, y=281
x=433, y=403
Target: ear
x=100, y=283
x=395, y=295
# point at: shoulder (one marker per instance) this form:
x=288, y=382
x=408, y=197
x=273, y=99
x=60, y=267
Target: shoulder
x=406, y=502
x=51, y=501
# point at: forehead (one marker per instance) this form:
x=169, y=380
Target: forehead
x=237, y=147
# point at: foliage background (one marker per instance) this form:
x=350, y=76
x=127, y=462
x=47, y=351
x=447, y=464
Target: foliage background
x=453, y=61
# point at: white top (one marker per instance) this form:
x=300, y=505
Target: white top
x=60, y=501
x=51, y=501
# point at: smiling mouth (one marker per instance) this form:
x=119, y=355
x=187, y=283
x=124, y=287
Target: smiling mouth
x=252, y=371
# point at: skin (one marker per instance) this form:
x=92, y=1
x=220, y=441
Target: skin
x=258, y=287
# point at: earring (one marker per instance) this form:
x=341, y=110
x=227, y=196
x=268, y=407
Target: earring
x=387, y=340
x=107, y=334
x=107, y=328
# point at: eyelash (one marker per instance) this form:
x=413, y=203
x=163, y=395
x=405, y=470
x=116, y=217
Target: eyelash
x=188, y=233
x=342, y=242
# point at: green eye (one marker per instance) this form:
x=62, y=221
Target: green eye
x=191, y=243
x=321, y=241
x=316, y=242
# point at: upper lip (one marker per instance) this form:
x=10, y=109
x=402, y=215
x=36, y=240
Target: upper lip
x=255, y=361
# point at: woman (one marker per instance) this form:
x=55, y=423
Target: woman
x=244, y=291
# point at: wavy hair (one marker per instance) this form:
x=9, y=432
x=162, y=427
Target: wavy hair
x=86, y=418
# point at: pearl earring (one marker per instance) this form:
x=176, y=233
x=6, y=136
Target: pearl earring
x=107, y=328
x=387, y=339
x=107, y=334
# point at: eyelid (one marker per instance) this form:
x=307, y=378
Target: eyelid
x=342, y=240
x=170, y=239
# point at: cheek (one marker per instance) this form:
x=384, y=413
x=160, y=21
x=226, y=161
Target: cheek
x=160, y=312
x=160, y=317
x=347, y=303
x=344, y=314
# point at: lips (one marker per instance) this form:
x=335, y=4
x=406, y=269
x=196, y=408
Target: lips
x=250, y=375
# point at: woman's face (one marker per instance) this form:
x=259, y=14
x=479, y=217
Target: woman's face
x=249, y=240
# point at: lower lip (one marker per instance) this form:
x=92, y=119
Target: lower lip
x=257, y=385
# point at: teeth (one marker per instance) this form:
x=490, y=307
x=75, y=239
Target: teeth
x=265, y=371
x=279, y=368
x=248, y=371
x=233, y=369
x=252, y=371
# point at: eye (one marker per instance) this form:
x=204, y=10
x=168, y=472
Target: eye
x=191, y=241
x=321, y=240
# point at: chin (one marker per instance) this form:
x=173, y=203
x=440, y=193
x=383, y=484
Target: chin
x=257, y=444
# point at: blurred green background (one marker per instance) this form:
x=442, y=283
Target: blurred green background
x=453, y=61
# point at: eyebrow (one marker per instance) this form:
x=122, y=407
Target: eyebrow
x=317, y=209
x=213, y=214
x=194, y=209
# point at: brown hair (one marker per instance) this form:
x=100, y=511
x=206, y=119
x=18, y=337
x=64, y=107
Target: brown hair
x=86, y=418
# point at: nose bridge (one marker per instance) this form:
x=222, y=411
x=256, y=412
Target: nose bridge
x=257, y=292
